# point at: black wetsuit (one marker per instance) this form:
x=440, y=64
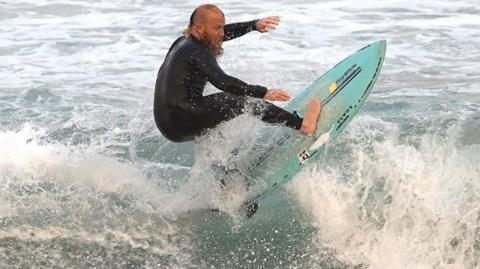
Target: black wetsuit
x=181, y=111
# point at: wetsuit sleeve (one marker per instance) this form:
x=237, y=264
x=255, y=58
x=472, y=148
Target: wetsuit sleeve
x=215, y=75
x=235, y=30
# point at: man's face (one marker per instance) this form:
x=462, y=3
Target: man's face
x=211, y=32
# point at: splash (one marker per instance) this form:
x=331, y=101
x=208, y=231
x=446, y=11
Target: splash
x=224, y=149
x=390, y=202
x=58, y=196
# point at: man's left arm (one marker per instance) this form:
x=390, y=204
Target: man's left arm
x=235, y=30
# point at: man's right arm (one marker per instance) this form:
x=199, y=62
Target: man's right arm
x=262, y=25
x=234, y=30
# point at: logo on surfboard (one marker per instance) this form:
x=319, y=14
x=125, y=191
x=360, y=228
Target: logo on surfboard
x=303, y=156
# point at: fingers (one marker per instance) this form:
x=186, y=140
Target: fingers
x=277, y=95
x=282, y=96
x=268, y=23
x=272, y=19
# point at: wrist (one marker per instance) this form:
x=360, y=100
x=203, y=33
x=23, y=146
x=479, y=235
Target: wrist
x=254, y=25
x=264, y=92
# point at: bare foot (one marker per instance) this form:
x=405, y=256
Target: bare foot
x=310, y=118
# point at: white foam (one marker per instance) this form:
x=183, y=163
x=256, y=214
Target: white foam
x=216, y=149
x=402, y=207
x=26, y=160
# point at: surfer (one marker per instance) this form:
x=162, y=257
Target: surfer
x=181, y=111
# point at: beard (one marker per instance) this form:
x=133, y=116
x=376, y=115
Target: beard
x=214, y=44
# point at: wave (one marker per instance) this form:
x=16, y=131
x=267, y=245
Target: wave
x=389, y=202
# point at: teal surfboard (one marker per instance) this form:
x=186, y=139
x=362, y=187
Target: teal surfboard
x=342, y=91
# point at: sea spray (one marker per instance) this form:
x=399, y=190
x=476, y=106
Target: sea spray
x=401, y=205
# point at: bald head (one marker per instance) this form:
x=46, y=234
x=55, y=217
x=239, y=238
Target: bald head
x=206, y=24
x=202, y=13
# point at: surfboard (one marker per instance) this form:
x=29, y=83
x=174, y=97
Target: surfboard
x=342, y=91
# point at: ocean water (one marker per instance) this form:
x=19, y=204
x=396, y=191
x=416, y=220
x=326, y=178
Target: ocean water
x=87, y=181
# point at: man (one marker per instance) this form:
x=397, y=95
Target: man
x=182, y=112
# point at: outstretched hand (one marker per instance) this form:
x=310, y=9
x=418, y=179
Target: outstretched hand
x=276, y=95
x=268, y=23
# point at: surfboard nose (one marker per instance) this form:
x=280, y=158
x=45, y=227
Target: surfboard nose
x=381, y=45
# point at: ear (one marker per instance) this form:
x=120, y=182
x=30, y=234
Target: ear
x=198, y=29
